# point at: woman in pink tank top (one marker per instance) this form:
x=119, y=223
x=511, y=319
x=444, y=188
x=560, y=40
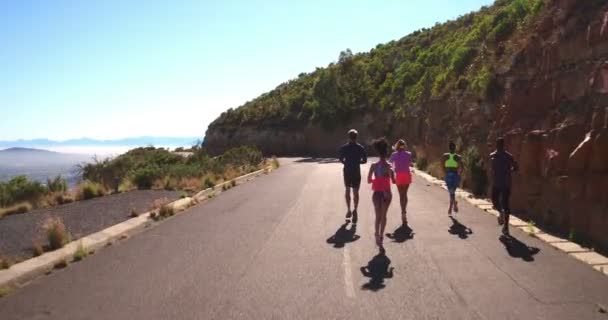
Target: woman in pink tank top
x=380, y=176
x=402, y=160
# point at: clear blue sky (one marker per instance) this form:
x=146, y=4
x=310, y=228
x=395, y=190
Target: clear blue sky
x=119, y=68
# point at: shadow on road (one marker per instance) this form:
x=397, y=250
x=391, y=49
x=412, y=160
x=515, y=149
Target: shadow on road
x=518, y=249
x=344, y=235
x=318, y=160
x=377, y=270
x=401, y=234
x=459, y=229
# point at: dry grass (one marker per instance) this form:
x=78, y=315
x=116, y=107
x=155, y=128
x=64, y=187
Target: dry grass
x=189, y=184
x=134, y=213
x=56, y=233
x=16, y=209
x=61, y=264
x=166, y=211
x=5, y=290
x=5, y=262
x=158, y=203
x=37, y=247
x=89, y=190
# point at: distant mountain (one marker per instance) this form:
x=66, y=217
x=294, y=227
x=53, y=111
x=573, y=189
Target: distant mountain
x=25, y=150
x=40, y=164
x=130, y=142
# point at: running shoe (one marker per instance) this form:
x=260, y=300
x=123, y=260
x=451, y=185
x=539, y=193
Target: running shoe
x=505, y=231
x=501, y=218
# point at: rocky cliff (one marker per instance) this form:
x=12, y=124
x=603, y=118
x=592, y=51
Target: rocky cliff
x=542, y=84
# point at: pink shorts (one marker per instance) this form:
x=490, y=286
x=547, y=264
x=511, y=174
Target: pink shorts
x=403, y=178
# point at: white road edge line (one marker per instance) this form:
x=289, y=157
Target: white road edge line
x=348, y=275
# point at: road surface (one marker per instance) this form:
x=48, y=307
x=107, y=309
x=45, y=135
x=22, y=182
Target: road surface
x=276, y=248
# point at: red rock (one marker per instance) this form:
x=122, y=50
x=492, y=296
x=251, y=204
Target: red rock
x=598, y=160
x=531, y=154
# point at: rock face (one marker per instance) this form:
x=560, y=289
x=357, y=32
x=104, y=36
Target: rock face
x=552, y=111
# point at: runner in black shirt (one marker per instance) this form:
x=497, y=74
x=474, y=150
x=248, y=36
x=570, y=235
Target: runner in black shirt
x=503, y=164
x=352, y=155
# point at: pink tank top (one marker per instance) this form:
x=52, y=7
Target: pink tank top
x=382, y=179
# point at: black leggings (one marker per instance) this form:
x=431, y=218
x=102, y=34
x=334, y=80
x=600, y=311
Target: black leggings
x=500, y=198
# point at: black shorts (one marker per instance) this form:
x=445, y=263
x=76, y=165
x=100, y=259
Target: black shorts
x=352, y=179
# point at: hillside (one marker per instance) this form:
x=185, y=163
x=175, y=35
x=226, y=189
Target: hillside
x=533, y=71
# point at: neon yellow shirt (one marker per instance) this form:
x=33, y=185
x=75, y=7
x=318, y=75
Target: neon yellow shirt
x=451, y=162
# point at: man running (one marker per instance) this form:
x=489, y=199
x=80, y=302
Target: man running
x=452, y=175
x=352, y=155
x=503, y=164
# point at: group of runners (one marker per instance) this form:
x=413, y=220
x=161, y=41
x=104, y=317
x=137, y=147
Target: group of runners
x=395, y=168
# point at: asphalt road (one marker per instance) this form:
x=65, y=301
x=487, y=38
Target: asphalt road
x=276, y=248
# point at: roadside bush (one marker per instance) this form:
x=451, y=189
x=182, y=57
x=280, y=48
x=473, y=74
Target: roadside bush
x=208, y=182
x=475, y=171
x=80, y=253
x=145, y=177
x=89, y=190
x=275, y=163
x=20, y=189
x=56, y=233
x=5, y=263
x=166, y=211
x=58, y=184
x=16, y=209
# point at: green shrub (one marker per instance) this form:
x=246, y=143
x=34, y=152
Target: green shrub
x=80, y=253
x=58, y=184
x=20, y=189
x=90, y=190
x=208, y=182
x=145, y=177
x=474, y=169
x=275, y=163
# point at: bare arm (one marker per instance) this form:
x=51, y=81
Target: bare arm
x=392, y=173
x=363, y=157
x=369, y=174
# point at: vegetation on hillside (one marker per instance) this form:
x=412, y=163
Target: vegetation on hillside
x=157, y=168
x=456, y=57
x=141, y=168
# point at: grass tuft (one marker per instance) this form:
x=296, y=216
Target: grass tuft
x=166, y=211
x=5, y=263
x=275, y=162
x=37, y=247
x=134, y=213
x=5, y=290
x=530, y=228
x=56, y=233
x=61, y=264
x=80, y=253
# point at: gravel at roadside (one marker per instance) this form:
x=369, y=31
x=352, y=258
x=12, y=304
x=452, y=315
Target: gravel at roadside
x=81, y=218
